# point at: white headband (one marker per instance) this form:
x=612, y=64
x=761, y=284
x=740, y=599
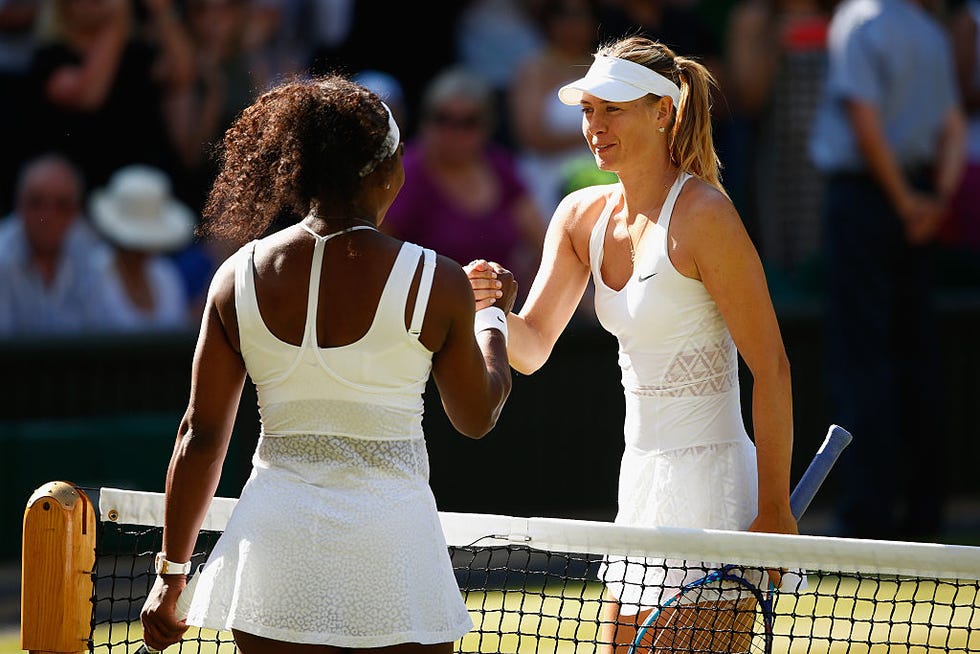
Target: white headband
x=388, y=146
x=618, y=80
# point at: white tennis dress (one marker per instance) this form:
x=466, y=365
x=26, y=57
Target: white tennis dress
x=688, y=461
x=336, y=538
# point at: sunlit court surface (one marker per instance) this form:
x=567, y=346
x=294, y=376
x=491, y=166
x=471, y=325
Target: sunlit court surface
x=837, y=615
x=537, y=585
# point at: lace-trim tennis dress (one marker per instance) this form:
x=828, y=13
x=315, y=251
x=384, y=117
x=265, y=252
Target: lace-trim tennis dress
x=688, y=461
x=336, y=538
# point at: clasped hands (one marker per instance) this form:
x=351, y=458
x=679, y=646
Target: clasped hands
x=493, y=285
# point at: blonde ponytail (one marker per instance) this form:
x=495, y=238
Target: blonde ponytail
x=692, y=147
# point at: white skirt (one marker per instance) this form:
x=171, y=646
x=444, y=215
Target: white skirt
x=334, y=541
x=702, y=487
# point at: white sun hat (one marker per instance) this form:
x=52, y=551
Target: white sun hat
x=137, y=211
x=619, y=80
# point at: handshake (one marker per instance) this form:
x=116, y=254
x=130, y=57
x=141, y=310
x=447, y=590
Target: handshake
x=493, y=285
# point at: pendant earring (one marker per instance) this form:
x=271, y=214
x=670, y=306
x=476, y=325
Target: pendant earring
x=661, y=130
x=388, y=185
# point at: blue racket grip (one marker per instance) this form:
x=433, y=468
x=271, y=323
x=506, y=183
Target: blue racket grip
x=837, y=439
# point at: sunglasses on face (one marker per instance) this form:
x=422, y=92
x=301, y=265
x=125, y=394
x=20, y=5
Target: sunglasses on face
x=460, y=121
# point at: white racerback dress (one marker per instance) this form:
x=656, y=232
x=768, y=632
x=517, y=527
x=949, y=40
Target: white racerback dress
x=688, y=461
x=336, y=538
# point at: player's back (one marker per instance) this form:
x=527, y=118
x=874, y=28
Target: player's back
x=369, y=388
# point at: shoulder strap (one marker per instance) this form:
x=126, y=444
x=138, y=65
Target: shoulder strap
x=425, y=287
x=309, y=336
x=667, y=210
x=597, y=237
x=245, y=281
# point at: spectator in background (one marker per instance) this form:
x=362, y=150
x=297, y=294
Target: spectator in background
x=547, y=133
x=889, y=138
x=960, y=233
x=225, y=83
x=495, y=37
x=101, y=87
x=283, y=35
x=49, y=281
x=17, y=19
x=671, y=22
x=388, y=88
x=463, y=195
x=138, y=215
x=17, y=36
x=777, y=61
x=380, y=38
x=320, y=28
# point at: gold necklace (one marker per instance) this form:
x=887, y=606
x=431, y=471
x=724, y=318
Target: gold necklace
x=629, y=233
x=633, y=245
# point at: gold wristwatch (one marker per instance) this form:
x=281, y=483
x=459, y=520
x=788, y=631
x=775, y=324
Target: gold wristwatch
x=165, y=567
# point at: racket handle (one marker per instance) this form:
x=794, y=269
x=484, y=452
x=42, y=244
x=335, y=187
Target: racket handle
x=837, y=439
x=181, y=608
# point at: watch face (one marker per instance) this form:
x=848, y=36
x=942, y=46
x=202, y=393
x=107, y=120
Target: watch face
x=164, y=567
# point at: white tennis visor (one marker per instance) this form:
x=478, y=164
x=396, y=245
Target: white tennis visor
x=618, y=80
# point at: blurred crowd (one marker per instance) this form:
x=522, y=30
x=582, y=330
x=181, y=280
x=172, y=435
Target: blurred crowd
x=111, y=111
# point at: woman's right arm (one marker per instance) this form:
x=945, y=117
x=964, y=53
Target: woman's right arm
x=470, y=370
x=86, y=86
x=556, y=291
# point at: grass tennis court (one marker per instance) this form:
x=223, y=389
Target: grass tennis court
x=564, y=618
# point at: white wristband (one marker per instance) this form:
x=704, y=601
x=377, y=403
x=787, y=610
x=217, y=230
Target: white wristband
x=491, y=318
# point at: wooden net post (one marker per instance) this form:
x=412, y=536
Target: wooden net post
x=57, y=563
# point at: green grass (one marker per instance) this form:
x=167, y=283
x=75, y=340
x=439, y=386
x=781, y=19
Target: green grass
x=563, y=619
x=10, y=642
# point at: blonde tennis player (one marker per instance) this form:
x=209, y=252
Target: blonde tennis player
x=681, y=286
x=335, y=544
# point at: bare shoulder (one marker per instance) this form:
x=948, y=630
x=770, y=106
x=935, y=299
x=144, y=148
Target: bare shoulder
x=221, y=297
x=580, y=209
x=273, y=253
x=451, y=282
x=222, y=289
x=703, y=212
x=576, y=216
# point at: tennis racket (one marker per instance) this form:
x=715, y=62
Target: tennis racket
x=727, y=610
x=181, y=608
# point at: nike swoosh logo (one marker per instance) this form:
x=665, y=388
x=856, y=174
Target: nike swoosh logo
x=643, y=278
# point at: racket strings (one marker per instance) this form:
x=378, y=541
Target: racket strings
x=703, y=622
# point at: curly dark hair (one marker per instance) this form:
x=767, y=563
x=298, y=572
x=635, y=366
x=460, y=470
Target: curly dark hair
x=300, y=144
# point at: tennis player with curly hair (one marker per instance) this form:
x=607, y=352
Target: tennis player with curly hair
x=335, y=543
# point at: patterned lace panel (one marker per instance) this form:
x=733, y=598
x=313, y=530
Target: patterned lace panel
x=330, y=533
x=297, y=452
x=368, y=421
x=706, y=370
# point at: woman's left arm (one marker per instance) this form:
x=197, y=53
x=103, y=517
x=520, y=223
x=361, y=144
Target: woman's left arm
x=731, y=270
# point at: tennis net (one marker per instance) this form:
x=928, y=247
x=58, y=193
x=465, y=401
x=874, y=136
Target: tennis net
x=536, y=585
